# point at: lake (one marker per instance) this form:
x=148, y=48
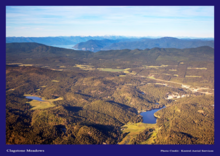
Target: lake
x=34, y=98
x=148, y=116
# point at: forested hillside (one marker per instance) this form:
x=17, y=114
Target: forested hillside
x=97, y=98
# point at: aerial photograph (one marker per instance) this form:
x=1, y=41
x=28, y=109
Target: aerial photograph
x=109, y=75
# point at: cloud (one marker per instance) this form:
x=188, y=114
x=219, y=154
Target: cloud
x=79, y=17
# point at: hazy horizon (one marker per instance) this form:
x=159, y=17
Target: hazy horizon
x=118, y=36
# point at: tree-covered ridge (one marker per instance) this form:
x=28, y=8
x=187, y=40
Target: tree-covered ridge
x=188, y=121
x=39, y=51
x=143, y=43
x=33, y=53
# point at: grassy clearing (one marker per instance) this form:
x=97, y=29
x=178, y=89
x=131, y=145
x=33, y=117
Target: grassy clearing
x=55, y=81
x=172, y=70
x=57, y=69
x=84, y=67
x=177, y=80
x=152, y=138
x=203, y=68
x=200, y=111
x=155, y=67
x=151, y=77
x=122, y=75
x=175, y=75
x=133, y=73
x=42, y=104
x=134, y=129
x=126, y=72
x=26, y=65
x=110, y=70
x=192, y=76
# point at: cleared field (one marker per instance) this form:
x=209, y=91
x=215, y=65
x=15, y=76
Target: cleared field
x=200, y=111
x=84, y=67
x=152, y=138
x=26, y=65
x=126, y=72
x=203, y=68
x=42, y=104
x=151, y=77
x=133, y=73
x=110, y=69
x=192, y=76
x=55, y=81
x=122, y=75
x=134, y=129
x=57, y=69
x=155, y=67
x=127, y=68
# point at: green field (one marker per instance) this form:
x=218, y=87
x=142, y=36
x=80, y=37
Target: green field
x=122, y=75
x=111, y=69
x=133, y=129
x=84, y=67
x=26, y=65
x=151, y=77
x=172, y=70
x=126, y=71
x=192, y=76
x=42, y=104
x=197, y=68
x=55, y=81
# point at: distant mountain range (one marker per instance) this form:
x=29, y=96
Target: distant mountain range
x=97, y=43
x=71, y=40
x=143, y=43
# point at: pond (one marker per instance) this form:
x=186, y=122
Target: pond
x=148, y=116
x=142, y=93
x=34, y=98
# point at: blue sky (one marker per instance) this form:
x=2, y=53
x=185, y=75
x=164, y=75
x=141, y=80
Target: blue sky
x=175, y=21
